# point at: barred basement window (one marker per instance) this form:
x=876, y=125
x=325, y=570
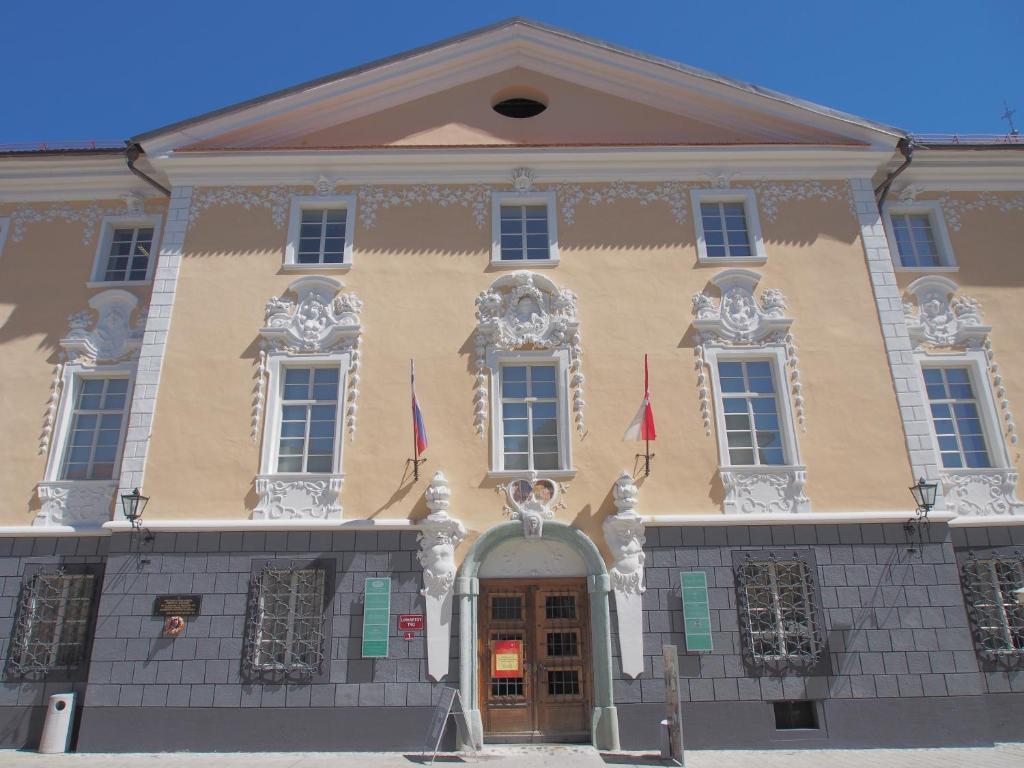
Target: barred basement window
x=51, y=632
x=989, y=587
x=777, y=607
x=286, y=631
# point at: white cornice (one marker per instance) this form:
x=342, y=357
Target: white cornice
x=68, y=178
x=247, y=524
x=802, y=518
x=494, y=165
x=964, y=170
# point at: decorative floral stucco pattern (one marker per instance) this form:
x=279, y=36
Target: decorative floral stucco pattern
x=476, y=197
x=298, y=498
x=276, y=199
x=673, y=194
x=953, y=208
x=765, y=490
x=772, y=194
x=982, y=492
x=89, y=216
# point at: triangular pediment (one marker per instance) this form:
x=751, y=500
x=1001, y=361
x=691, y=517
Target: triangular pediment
x=442, y=96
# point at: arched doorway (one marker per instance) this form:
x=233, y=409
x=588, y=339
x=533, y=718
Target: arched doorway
x=562, y=554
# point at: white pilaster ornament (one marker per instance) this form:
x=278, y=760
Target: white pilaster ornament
x=997, y=382
x=938, y=318
x=765, y=490
x=981, y=492
x=439, y=537
x=298, y=497
x=522, y=179
x=56, y=384
x=531, y=501
x=109, y=336
x=318, y=320
x=524, y=310
x=624, y=534
x=75, y=502
x=259, y=395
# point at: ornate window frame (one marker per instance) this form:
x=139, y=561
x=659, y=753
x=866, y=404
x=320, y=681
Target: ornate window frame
x=729, y=195
x=102, y=346
x=933, y=209
x=302, y=202
x=107, y=227
x=946, y=328
x=532, y=197
x=738, y=326
x=319, y=327
x=526, y=317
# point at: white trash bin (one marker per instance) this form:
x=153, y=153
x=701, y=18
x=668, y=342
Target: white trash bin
x=57, y=727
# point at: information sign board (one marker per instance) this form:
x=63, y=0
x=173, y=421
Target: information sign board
x=376, y=617
x=696, y=614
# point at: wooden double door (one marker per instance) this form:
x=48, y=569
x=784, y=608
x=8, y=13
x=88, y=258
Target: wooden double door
x=550, y=699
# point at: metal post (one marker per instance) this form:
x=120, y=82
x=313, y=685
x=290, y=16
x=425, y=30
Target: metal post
x=673, y=704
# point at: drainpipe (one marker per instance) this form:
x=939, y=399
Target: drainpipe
x=132, y=153
x=906, y=148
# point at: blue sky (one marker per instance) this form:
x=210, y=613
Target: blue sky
x=108, y=70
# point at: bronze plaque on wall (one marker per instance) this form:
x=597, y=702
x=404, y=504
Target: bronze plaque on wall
x=177, y=605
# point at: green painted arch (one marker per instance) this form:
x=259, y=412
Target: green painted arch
x=566, y=534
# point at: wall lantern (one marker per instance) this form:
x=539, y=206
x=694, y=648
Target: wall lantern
x=133, y=505
x=924, y=497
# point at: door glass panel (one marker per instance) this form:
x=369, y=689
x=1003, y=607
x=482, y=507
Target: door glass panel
x=563, y=682
x=560, y=607
x=507, y=608
x=562, y=644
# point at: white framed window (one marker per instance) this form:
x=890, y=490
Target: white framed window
x=287, y=633
x=302, y=431
x=965, y=426
x=90, y=426
x=524, y=229
x=320, y=229
x=727, y=226
x=530, y=414
x=918, y=237
x=127, y=251
x=752, y=410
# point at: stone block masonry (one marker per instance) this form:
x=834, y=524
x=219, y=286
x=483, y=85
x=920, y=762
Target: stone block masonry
x=144, y=686
x=898, y=646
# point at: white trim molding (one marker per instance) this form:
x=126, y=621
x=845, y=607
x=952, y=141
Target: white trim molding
x=758, y=254
x=318, y=327
x=936, y=221
x=739, y=326
x=299, y=203
x=624, y=535
x=526, y=311
x=524, y=197
x=154, y=343
x=439, y=537
x=135, y=219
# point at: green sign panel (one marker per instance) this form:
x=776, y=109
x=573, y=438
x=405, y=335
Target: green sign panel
x=376, y=617
x=696, y=615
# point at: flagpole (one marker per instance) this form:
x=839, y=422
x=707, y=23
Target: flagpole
x=415, y=442
x=647, y=435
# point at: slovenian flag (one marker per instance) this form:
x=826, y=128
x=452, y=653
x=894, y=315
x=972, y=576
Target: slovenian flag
x=419, y=430
x=642, y=426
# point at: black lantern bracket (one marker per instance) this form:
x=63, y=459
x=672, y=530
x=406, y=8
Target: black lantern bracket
x=924, y=494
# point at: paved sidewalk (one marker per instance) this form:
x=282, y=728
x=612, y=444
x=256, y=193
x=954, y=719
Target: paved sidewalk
x=1001, y=756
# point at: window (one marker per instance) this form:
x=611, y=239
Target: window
x=127, y=250
x=94, y=437
x=524, y=229
x=776, y=597
x=728, y=228
x=287, y=621
x=918, y=237
x=956, y=417
x=751, y=412
x=529, y=417
x=309, y=420
x=52, y=628
x=320, y=232
x=998, y=617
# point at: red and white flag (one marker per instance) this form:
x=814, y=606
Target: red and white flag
x=642, y=426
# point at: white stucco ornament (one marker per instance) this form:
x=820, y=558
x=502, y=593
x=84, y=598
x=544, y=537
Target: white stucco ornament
x=738, y=317
x=624, y=534
x=105, y=334
x=439, y=537
x=298, y=498
x=936, y=317
x=523, y=310
x=522, y=179
x=532, y=501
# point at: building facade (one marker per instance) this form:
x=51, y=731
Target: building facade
x=223, y=316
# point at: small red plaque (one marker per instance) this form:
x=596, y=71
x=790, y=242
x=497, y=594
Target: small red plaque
x=410, y=621
x=408, y=635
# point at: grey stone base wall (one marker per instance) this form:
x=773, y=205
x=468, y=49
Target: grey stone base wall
x=23, y=702
x=894, y=625
x=139, y=676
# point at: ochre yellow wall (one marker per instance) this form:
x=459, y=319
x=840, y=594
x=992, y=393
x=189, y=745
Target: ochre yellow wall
x=42, y=281
x=418, y=271
x=988, y=250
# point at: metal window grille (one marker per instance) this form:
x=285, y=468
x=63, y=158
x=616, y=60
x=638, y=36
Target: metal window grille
x=777, y=607
x=998, y=618
x=51, y=630
x=286, y=630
